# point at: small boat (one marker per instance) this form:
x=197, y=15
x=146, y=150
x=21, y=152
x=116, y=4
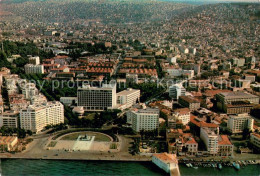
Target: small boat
x=195, y=167
x=189, y=165
x=219, y=166
x=236, y=165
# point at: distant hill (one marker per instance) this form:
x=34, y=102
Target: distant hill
x=108, y=11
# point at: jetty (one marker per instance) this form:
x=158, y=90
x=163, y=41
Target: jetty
x=167, y=162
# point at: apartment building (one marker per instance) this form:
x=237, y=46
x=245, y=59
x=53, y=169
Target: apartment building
x=189, y=102
x=176, y=90
x=97, y=98
x=225, y=147
x=216, y=144
x=183, y=115
x=255, y=139
x=237, y=123
x=210, y=139
x=36, y=117
x=34, y=69
x=29, y=90
x=128, y=98
x=146, y=119
x=9, y=119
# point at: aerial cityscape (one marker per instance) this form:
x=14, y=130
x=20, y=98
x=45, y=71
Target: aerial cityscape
x=129, y=87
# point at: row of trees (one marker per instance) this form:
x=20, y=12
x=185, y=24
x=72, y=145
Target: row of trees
x=21, y=133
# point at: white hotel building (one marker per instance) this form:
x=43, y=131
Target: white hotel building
x=146, y=119
x=128, y=98
x=237, y=123
x=36, y=117
x=97, y=98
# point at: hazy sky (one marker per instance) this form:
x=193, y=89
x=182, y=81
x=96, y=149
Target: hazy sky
x=222, y=0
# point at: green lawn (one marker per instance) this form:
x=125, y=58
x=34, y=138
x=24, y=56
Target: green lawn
x=52, y=144
x=98, y=136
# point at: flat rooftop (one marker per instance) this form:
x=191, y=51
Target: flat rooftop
x=237, y=94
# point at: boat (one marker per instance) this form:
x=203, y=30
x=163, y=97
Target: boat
x=219, y=166
x=195, y=167
x=189, y=165
x=236, y=165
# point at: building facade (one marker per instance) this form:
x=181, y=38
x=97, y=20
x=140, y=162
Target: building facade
x=36, y=117
x=128, y=97
x=146, y=119
x=236, y=102
x=176, y=90
x=237, y=123
x=210, y=139
x=34, y=69
x=97, y=98
x=189, y=102
x=255, y=139
x=9, y=119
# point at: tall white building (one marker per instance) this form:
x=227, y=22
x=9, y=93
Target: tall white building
x=146, y=119
x=97, y=98
x=128, y=98
x=29, y=90
x=176, y=90
x=210, y=139
x=36, y=117
x=33, y=69
x=34, y=60
x=237, y=123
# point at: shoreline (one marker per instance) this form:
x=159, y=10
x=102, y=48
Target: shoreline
x=133, y=159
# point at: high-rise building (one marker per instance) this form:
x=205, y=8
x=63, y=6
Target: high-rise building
x=29, y=90
x=33, y=69
x=128, y=98
x=237, y=123
x=146, y=119
x=210, y=138
x=176, y=90
x=36, y=117
x=97, y=98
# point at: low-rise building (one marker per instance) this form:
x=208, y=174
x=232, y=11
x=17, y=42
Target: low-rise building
x=189, y=102
x=236, y=102
x=255, y=139
x=9, y=119
x=225, y=147
x=8, y=143
x=167, y=162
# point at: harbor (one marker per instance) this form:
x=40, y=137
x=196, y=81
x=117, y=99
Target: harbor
x=107, y=168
